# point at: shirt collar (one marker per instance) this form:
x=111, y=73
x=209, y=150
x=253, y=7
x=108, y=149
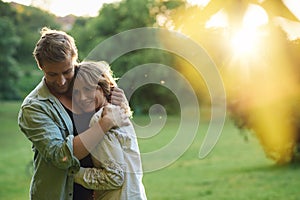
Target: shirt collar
x=44, y=92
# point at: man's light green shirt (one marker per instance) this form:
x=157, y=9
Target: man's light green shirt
x=48, y=126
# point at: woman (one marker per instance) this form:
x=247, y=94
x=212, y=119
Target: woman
x=118, y=153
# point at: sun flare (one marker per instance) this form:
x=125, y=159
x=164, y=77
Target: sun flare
x=246, y=40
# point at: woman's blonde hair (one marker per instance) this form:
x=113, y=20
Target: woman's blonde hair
x=97, y=74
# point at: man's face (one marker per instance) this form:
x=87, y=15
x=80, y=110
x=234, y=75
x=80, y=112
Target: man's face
x=59, y=76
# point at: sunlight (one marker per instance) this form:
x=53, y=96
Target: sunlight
x=218, y=20
x=66, y=7
x=81, y=8
x=246, y=40
x=291, y=28
x=201, y=3
x=293, y=6
x=255, y=16
x=24, y=2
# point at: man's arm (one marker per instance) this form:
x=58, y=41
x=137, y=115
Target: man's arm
x=85, y=142
x=118, y=97
x=49, y=137
x=108, y=178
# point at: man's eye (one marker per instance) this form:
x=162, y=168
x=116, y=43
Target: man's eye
x=68, y=72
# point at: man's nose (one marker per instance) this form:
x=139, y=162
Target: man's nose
x=61, y=80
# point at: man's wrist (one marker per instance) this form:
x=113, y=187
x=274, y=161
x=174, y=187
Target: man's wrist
x=105, y=124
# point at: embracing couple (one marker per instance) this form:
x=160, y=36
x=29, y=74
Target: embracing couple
x=77, y=119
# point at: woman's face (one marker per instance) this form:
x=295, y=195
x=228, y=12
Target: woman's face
x=88, y=98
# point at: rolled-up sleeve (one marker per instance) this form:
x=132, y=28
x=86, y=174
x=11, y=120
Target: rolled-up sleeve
x=101, y=178
x=48, y=132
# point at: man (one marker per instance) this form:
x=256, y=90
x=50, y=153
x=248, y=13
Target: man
x=45, y=122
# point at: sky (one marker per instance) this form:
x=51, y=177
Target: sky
x=65, y=7
x=91, y=7
x=79, y=7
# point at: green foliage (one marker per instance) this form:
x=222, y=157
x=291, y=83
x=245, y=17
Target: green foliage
x=27, y=22
x=8, y=69
x=34, y=19
x=19, y=31
x=143, y=99
x=114, y=19
x=28, y=81
x=7, y=11
x=172, y=4
x=147, y=95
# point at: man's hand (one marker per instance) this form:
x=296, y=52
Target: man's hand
x=115, y=116
x=118, y=97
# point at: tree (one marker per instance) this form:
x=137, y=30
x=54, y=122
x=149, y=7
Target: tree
x=262, y=86
x=115, y=18
x=20, y=26
x=29, y=22
x=9, y=73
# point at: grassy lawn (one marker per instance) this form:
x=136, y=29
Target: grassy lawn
x=236, y=169
x=15, y=155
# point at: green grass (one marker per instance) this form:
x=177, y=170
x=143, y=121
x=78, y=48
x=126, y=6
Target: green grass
x=235, y=170
x=15, y=155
